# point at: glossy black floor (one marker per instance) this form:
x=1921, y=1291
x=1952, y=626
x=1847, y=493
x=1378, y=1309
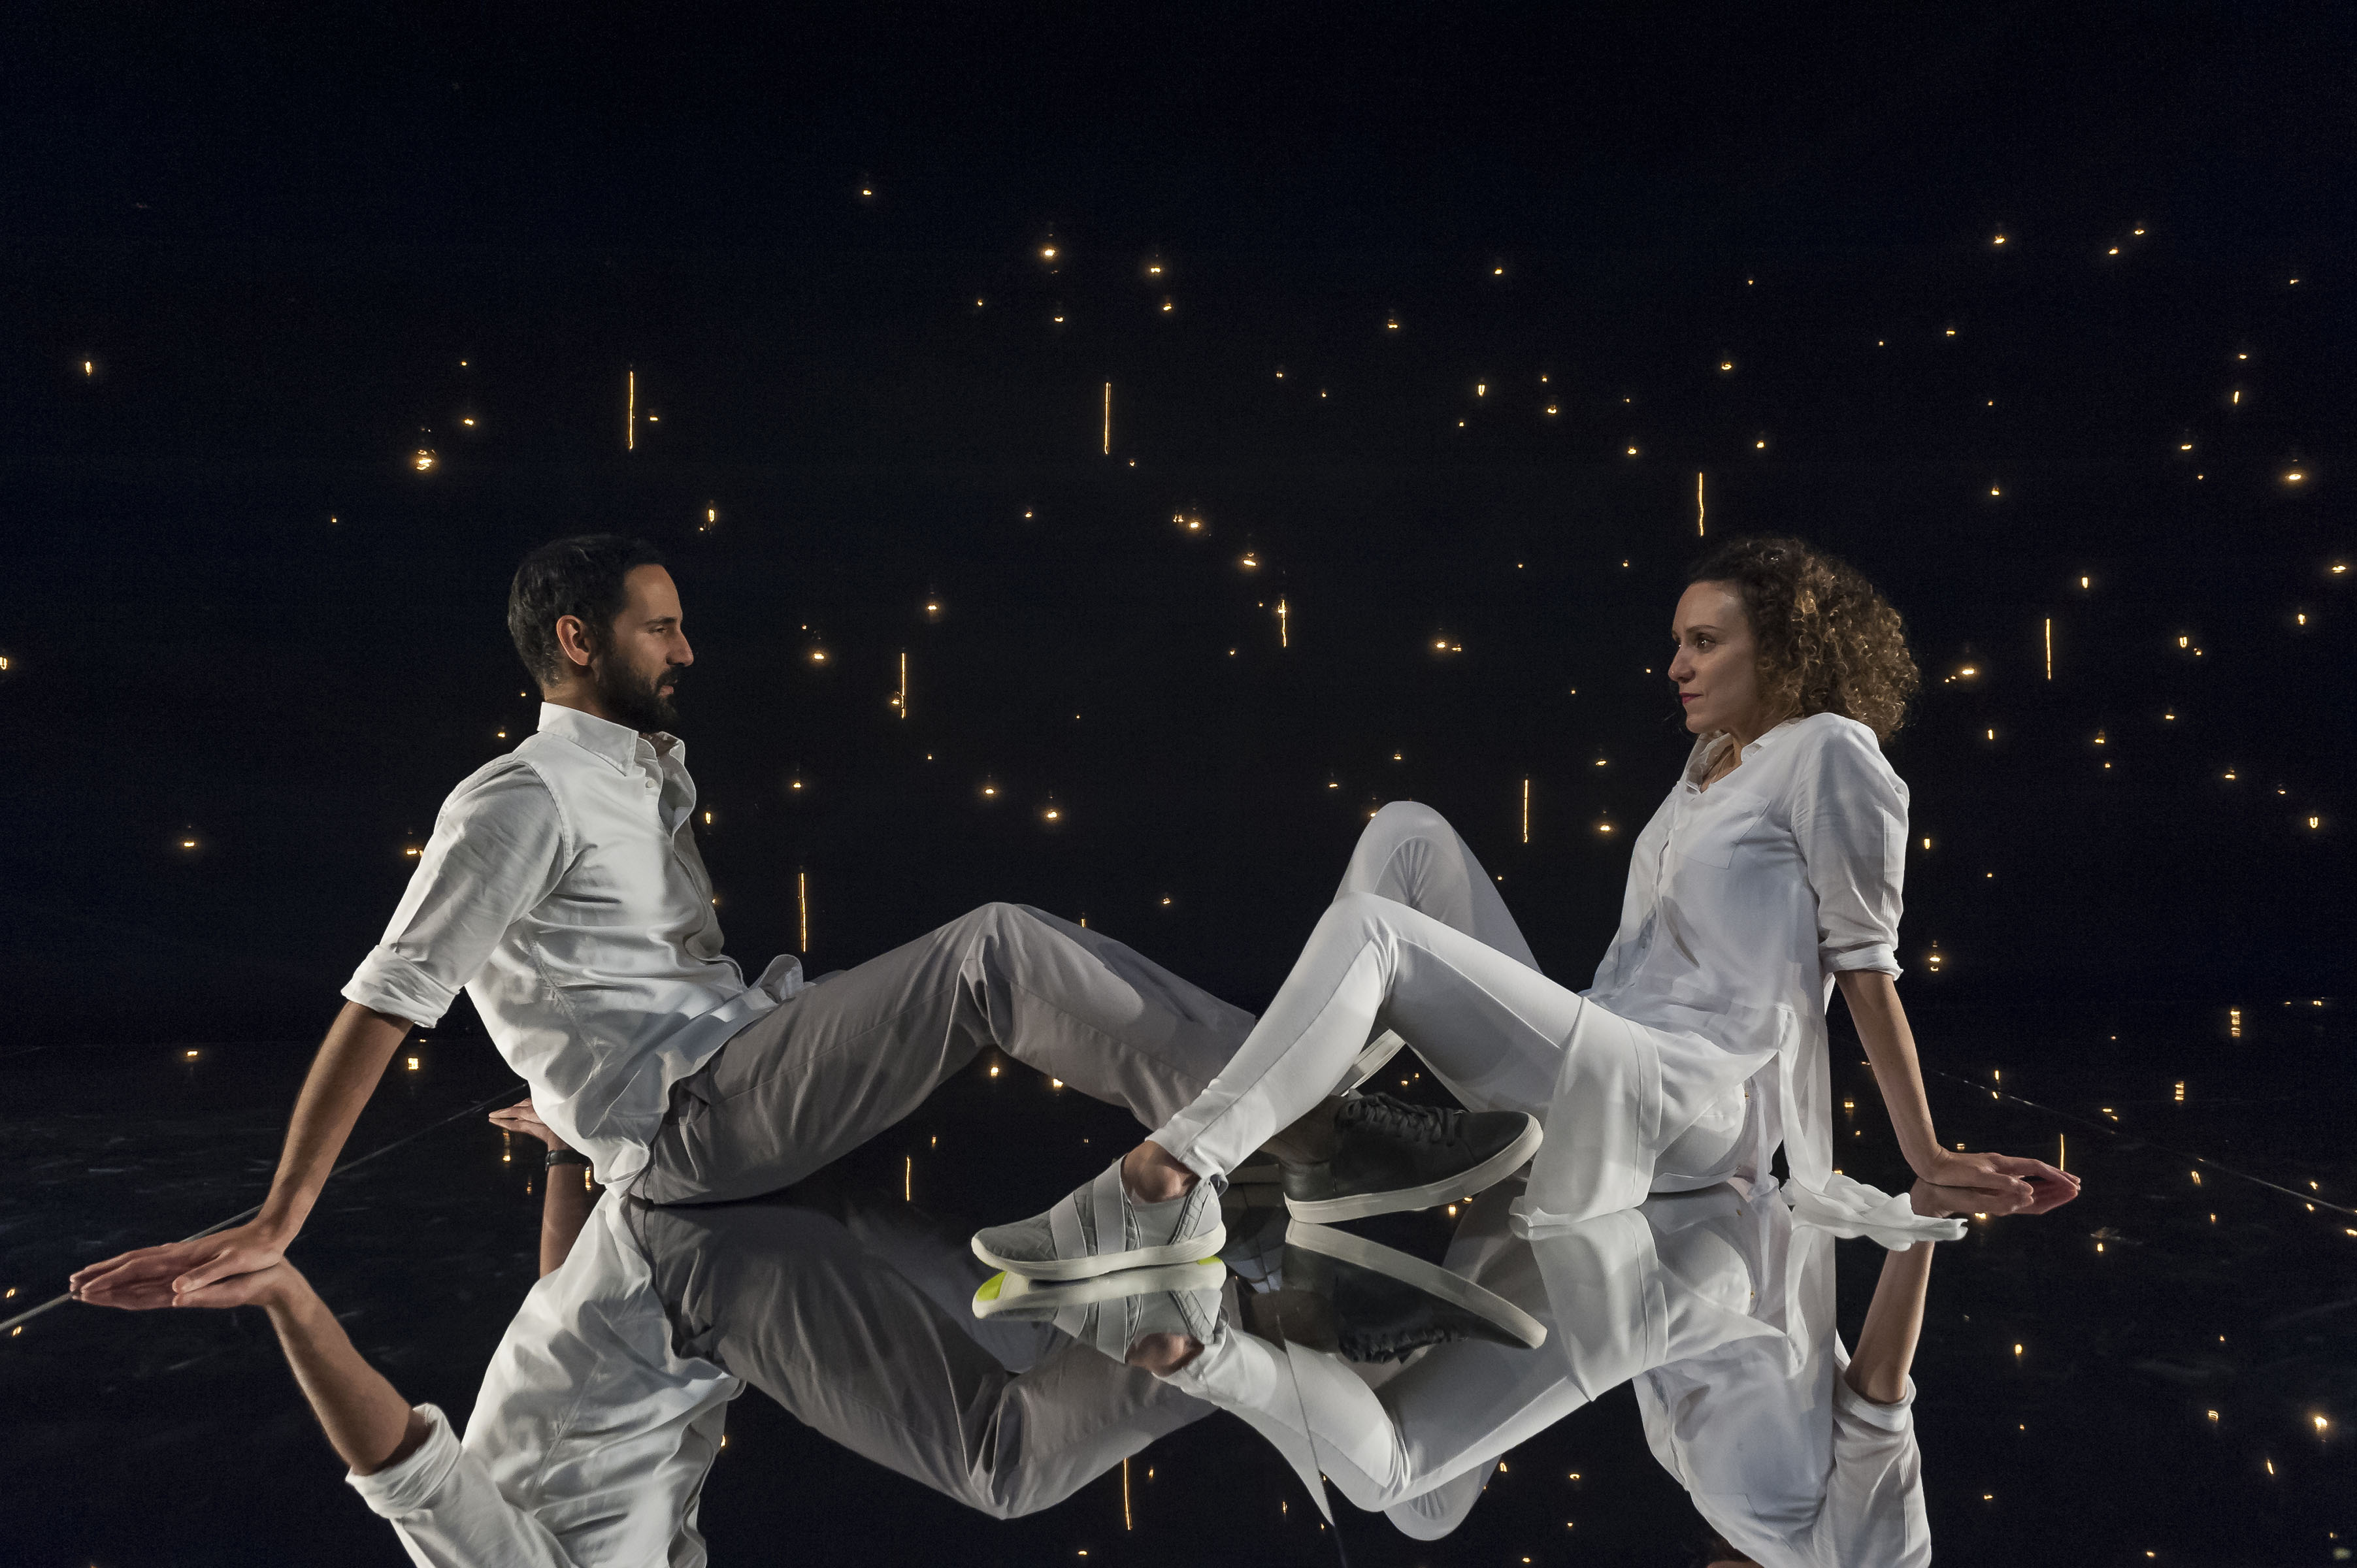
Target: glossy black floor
x=2159, y=1372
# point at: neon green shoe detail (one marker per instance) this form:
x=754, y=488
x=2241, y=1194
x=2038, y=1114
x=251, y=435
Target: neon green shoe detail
x=991, y=1287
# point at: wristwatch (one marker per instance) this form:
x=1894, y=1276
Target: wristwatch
x=556, y=1157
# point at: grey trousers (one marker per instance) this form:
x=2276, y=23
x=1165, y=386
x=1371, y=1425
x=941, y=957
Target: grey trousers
x=850, y=1056
x=855, y=1319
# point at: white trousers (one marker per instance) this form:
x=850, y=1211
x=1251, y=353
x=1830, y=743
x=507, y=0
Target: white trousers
x=1418, y=940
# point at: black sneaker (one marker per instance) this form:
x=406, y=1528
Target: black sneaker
x=1388, y=1305
x=1394, y=1155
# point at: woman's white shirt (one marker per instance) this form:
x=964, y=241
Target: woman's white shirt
x=590, y=1439
x=1746, y=899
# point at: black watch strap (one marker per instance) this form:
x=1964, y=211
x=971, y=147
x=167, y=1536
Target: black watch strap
x=556, y=1157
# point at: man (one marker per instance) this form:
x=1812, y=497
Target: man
x=563, y=890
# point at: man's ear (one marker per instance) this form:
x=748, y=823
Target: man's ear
x=573, y=644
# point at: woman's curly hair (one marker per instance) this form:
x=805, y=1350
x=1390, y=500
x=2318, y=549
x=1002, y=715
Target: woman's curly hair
x=1828, y=642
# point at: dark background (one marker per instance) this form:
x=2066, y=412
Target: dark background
x=297, y=246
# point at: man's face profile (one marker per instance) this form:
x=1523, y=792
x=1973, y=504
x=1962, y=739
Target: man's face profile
x=637, y=665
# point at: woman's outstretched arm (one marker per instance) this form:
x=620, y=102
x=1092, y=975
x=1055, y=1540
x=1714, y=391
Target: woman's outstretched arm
x=1873, y=998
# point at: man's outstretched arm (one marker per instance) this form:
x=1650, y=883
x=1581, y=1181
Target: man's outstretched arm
x=352, y=1060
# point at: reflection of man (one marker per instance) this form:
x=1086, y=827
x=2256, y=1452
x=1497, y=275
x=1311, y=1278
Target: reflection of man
x=562, y=888
x=600, y=1414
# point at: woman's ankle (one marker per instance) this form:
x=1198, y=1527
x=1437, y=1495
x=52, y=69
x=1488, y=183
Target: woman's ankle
x=1152, y=1175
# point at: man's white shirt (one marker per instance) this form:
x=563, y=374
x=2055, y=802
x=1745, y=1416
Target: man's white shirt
x=562, y=891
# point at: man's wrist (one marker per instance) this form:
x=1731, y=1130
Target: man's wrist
x=564, y=1156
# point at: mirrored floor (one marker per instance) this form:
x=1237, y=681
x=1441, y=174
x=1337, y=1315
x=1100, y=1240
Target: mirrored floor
x=2159, y=1371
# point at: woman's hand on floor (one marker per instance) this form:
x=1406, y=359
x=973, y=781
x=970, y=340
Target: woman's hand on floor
x=1988, y=1173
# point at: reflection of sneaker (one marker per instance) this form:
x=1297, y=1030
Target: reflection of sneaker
x=1388, y=1305
x=1380, y=1050
x=1098, y=1228
x=1112, y=1312
x=1394, y=1155
x=1255, y=1247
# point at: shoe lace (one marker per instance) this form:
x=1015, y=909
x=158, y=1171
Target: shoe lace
x=1398, y=1119
x=1396, y=1345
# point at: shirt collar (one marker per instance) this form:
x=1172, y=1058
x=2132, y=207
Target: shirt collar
x=1699, y=760
x=616, y=744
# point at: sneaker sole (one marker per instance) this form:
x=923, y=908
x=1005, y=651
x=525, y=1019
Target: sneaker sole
x=1487, y=1175
x=1429, y=1278
x=1193, y=1250
x=1006, y=1292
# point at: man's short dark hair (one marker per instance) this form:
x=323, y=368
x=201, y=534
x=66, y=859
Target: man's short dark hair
x=579, y=576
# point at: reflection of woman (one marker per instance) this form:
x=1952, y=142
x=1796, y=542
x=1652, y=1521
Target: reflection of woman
x=1718, y=1308
x=1768, y=877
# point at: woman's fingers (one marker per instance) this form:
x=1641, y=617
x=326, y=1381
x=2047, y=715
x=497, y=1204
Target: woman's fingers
x=2032, y=1170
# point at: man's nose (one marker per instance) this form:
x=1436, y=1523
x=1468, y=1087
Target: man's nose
x=683, y=655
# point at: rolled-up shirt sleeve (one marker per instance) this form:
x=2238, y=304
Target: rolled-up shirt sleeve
x=1874, y=1508
x=448, y=1512
x=498, y=848
x=1849, y=815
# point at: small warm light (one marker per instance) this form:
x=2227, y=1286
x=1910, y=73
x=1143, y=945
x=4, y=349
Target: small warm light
x=990, y=788
x=1994, y=490
x=2000, y=240
x=413, y=1064
x=1727, y=364
x=2082, y=582
x=2294, y=476
x=1169, y=304
x=1048, y=252
x=1632, y=451
x=1166, y=898
x=422, y=460
x=2320, y=1425
x=188, y=843
x=1952, y=332
x=410, y=851
x=2184, y=642
x=1051, y=814
x=189, y=1054
x=467, y=421
x=1480, y=389
x=818, y=655
x=2017, y=1349
x=994, y=1073
x=2114, y=251
x=1550, y=409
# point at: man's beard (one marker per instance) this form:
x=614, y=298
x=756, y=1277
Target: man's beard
x=635, y=700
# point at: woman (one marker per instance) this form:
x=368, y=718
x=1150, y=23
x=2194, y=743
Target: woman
x=1768, y=877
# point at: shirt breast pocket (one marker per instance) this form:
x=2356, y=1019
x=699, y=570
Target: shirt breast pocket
x=1711, y=838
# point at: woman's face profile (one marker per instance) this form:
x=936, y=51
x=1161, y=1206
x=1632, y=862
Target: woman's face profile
x=1717, y=664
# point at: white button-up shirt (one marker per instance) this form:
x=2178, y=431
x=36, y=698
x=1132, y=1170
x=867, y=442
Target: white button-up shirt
x=563, y=890
x=1744, y=901
x=591, y=1437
